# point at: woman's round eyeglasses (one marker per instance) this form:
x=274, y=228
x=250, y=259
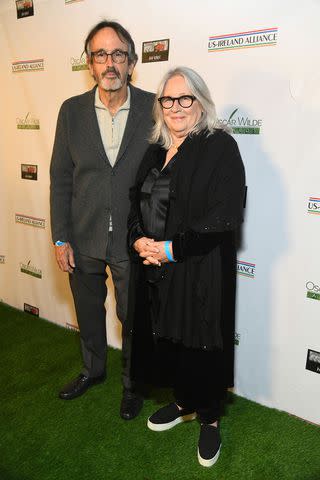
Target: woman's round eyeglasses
x=101, y=56
x=185, y=101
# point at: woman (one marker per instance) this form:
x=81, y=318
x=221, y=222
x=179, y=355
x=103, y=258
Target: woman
x=186, y=206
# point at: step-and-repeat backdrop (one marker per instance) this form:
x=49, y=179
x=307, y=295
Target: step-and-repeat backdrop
x=261, y=62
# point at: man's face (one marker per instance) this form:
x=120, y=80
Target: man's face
x=109, y=76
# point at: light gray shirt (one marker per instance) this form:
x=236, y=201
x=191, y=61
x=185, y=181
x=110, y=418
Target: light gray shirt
x=112, y=127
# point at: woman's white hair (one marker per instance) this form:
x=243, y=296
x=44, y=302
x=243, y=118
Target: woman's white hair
x=208, y=120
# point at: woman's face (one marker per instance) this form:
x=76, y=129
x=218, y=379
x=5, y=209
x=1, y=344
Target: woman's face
x=180, y=120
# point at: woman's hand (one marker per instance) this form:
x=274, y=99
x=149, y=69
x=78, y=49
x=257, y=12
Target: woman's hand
x=161, y=256
x=152, y=252
x=144, y=246
x=156, y=255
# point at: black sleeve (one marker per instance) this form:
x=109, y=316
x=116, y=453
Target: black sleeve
x=225, y=207
x=135, y=229
x=192, y=243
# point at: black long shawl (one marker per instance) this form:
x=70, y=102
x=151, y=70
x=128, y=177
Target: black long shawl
x=197, y=294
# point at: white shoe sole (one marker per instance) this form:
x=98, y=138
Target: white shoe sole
x=160, y=427
x=210, y=461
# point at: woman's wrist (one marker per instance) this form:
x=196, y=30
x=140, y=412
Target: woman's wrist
x=168, y=250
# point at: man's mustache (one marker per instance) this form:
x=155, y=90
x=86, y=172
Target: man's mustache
x=110, y=70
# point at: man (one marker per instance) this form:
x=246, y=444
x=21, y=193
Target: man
x=100, y=140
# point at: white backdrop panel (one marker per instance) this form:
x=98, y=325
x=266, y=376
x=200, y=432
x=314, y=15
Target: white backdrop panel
x=276, y=86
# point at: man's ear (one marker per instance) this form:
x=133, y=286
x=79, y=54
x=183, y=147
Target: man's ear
x=131, y=67
x=89, y=63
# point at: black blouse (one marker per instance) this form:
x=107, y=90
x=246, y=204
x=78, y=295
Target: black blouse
x=154, y=197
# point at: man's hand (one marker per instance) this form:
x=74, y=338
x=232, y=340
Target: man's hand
x=65, y=257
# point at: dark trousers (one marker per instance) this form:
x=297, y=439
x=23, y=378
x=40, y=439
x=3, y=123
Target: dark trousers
x=195, y=375
x=197, y=382
x=88, y=285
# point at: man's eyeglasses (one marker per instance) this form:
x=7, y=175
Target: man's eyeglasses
x=101, y=56
x=185, y=101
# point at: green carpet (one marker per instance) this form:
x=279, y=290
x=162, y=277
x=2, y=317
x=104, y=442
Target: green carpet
x=44, y=438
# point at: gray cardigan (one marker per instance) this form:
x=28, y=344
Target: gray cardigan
x=85, y=189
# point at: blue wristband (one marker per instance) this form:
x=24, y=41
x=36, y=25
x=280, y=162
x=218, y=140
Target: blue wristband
x=167, y=251
x=59, y=243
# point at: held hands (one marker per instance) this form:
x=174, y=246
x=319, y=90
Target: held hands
x=152, y=252
x=65, y=257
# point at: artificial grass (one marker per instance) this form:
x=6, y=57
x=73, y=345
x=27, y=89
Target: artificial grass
x=44, y=438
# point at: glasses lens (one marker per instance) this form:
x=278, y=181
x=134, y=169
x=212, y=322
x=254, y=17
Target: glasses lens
x=118, y=56
x=166, y=102
x=186, y=101
x=100, y=57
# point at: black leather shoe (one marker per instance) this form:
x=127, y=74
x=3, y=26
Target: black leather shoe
x=131, y=404
x=79, y=386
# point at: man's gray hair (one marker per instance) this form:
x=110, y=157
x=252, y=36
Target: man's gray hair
x=208, y=120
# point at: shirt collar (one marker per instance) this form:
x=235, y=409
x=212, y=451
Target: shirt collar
x=99, y=104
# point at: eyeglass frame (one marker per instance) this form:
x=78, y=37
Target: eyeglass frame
x=192, y=97
x=92, y=55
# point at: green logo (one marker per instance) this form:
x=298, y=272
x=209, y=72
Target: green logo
x=30, y=270
x=78, y=64
x=313, y=290
x=242, y=125
x=28, y=123
x=313, y=295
